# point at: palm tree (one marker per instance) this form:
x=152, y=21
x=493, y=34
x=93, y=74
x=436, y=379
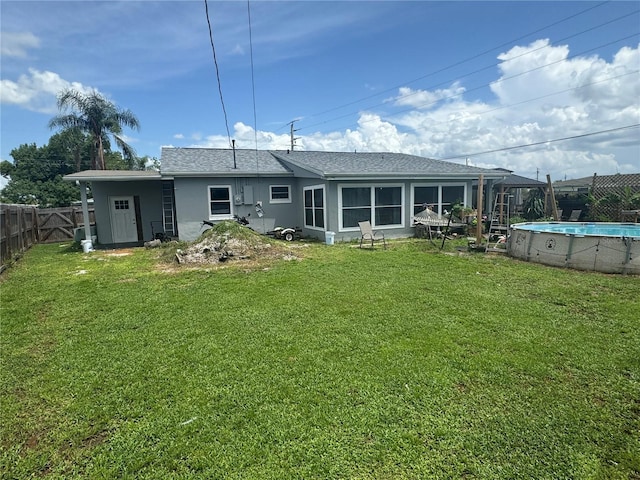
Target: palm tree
x=100, y=118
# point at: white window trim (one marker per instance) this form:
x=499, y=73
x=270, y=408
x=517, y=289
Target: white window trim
x=324, y=207
x=439, y=187
x=372, y=187
x=279, y=200
x=220, y=217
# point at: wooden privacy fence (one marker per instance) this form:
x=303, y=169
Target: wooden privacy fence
x=58, y=224
x=18, y=231
x=23, y=225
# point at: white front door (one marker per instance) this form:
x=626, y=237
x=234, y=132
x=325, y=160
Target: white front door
x=123, y=219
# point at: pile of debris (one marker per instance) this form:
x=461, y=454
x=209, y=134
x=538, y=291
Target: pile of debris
x=228, y=241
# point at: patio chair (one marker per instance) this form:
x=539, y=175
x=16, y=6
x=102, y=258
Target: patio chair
x=367, y=233
x=575, y=215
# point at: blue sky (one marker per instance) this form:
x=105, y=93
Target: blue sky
x=447, y=80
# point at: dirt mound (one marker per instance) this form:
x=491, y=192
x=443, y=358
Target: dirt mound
x=229, y=241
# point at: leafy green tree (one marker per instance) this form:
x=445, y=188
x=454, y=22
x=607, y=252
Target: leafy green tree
x=147, y=163
x=98, y=117
x=533, y=205
x=609, y=207
x=115, y=161
x=73, y=147
x=36, y=176
x=6, y=167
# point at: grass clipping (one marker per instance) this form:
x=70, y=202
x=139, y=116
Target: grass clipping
x=230, y=241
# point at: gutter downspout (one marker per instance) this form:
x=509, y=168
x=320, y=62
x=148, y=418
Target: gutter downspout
x=88, y=246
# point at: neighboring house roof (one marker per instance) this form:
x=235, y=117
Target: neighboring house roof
x=601, y=181
x=189, y=162
x=584, y=182
x=112, y=175
x=516, y=181
x=354, y=164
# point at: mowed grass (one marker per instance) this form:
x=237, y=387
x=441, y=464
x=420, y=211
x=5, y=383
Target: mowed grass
x=404, y=363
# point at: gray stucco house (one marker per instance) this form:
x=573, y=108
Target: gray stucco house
x=317, y=191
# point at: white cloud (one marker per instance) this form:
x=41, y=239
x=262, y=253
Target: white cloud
x=37, y=91
x=541, y=95
x=178, y=136
x=424, y=99
x=245, y=137
x=581, y=95
x=17, y=44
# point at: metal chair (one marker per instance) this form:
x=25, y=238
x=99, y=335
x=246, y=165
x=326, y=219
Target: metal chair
x=369, y=234
x=575, y=215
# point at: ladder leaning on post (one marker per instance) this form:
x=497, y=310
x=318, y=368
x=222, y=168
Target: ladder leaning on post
x=499, y=224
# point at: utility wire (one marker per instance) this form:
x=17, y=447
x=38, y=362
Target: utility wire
x=524, y=54
x=504, y=149
x=507, y=78
x=215, y=61
x=468, y=59
x=473, y=73
x=253, y=82
x=501, y=80
x=501, y=107
x=255, y=116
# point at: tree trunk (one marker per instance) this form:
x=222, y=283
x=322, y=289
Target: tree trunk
x=99, y=154
x=78, y=158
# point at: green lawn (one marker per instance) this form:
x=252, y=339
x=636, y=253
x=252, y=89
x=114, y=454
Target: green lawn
x=404, y=363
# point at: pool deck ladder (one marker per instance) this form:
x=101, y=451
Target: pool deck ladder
x=499, y=224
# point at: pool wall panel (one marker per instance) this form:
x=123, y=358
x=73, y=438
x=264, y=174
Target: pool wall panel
x=594, y=253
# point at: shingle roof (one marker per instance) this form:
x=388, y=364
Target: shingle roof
x=344, y=164
x=576, y=182
x=208, y=161
x=516, y=181
x=603, y=181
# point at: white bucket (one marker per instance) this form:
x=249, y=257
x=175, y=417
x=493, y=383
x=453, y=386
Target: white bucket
x=87, y=246
x=329, y=237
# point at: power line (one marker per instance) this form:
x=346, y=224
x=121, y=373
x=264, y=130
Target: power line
x=534, y=99
x=504, y=149
x=468, y=59
x=502, y=107
x=253, y=81
x=503, y=79
x=528, y=52
x=215, y=61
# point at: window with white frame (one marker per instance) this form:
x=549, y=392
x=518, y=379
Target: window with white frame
x=437, y=197
x=280, y=193
x=219, y=201
x=314, y=207
x=381, y=205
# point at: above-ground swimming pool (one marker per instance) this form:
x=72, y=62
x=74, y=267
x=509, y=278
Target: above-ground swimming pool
x=602, y=247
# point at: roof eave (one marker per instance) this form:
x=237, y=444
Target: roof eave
x=73, y=177
x=410, y=175
x=243, y=173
